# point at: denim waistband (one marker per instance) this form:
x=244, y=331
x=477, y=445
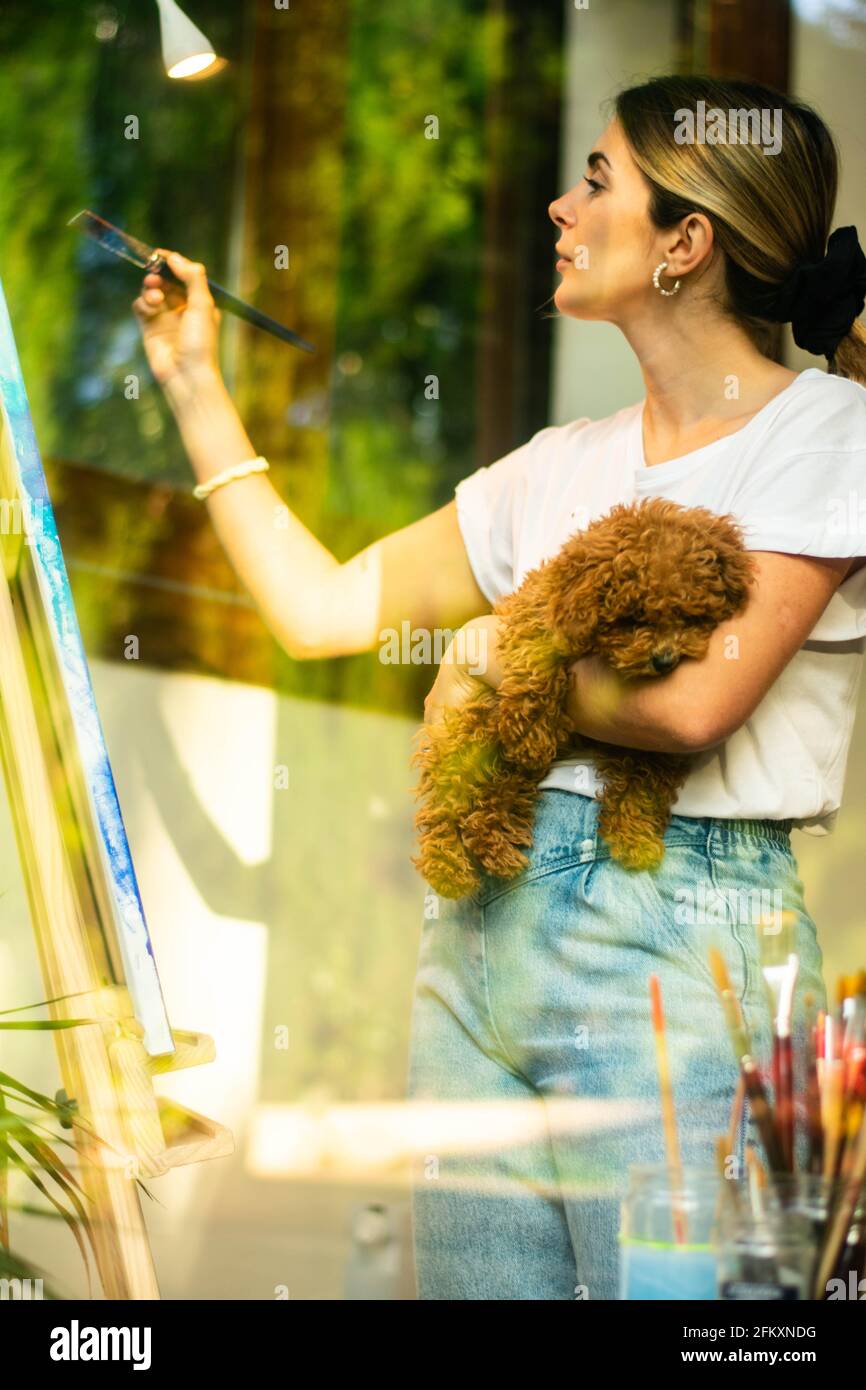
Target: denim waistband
x=735, y=826
x=566, y=826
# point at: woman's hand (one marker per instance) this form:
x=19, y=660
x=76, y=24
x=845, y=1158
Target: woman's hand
x=180, y=332
x=596, y=691
x=470, y=664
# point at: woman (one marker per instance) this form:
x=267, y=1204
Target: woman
x=533, y=994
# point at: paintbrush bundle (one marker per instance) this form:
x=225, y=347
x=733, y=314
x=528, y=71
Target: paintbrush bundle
x=837, y=1131
x=829, y=1191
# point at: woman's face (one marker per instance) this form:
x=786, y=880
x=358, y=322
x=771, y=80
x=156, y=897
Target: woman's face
x=605, y=235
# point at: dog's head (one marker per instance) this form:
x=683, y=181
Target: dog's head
x=647, y=584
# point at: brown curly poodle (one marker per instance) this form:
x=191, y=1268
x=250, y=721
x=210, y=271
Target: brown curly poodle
x=642, y=586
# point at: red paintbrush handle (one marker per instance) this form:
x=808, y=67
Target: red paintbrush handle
x=815, y=1125
x=855, y=1082
x=763, y=1115
x=783, y=1069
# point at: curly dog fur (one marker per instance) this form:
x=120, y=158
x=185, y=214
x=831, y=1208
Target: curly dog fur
x=643, y=587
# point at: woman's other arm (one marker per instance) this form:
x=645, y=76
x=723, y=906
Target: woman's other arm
x=702, y=703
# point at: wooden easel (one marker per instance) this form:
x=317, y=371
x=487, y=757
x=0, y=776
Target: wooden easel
x=90, y=931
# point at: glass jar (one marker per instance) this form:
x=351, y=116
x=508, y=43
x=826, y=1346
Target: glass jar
x=667, y=1230
x=766, y=1253
x=786, y=1231
x=817, y=1199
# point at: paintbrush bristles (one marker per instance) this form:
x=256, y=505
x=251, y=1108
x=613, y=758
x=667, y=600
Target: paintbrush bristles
x=669, y=1122
x=719, y=969
x=841, y=1222
x=776, y=938
x=656, y=1004
x=835, y=1096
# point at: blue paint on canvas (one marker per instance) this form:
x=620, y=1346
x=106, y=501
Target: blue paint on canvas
x=40, y=529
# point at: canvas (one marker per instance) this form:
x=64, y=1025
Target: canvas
x=56, y=763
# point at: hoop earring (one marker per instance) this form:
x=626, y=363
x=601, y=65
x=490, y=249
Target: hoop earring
x=656, y=274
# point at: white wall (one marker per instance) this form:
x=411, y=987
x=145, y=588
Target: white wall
x=608, y=47
x=829, y=72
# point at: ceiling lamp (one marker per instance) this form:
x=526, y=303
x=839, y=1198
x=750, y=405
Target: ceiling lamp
x=186, y=51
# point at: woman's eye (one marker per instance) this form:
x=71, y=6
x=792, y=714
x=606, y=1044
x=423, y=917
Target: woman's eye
x=594, y=185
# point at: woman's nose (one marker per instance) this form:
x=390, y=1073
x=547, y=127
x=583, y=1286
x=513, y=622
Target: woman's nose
x=561, y=213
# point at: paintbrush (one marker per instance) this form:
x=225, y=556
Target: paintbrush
x=726, y=1146
x=832, y=1094
x=757, y=1181
x=779, y=965
x=854, y=1062
x=148, y=259
x=840, y=1224
x=736, y=1114
x=669, y=1121
x=729, y=1190
x=814, y=1035
x=740, y=1041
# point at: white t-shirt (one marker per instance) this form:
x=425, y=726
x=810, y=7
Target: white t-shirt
x=794, y=477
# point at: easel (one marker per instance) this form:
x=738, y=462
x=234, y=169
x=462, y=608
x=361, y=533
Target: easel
x=90, y=931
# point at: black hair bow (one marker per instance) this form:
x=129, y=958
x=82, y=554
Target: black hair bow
x=822, y=298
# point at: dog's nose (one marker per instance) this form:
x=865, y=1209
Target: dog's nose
x=664, y=661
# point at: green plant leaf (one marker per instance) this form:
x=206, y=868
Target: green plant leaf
x=45, y=1101
x=29, y=1209
x=12, y=1266
x=4, y=1183
x=10, y=1121
x=43, y=1003
x=70, y=1220
x=52, y=1106
x=49, y=1160
x=49, y=1024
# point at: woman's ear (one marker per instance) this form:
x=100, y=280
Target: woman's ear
x=690, y=245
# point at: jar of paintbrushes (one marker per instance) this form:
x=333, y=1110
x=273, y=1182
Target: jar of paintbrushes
x=794, y=1224
x=801, y=1234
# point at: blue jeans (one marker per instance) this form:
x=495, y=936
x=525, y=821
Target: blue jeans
x=531, y=1033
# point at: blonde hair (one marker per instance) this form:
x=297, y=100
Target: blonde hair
x=771, y=214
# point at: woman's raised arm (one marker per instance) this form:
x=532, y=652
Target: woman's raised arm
x=314, y=605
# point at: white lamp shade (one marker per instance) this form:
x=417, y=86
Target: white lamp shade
x=185, y=49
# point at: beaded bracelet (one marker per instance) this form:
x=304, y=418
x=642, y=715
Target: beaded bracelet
x=229, y=475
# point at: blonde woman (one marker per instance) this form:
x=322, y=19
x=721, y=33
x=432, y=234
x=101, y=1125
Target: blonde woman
x=534, y=993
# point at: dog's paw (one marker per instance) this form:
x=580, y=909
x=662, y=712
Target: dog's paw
x=451, y=876
x=639, y=855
